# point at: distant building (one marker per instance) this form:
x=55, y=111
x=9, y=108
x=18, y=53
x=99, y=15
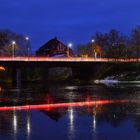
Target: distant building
x=54, y=48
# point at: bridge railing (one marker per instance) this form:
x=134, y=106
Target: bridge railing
x=68, y=59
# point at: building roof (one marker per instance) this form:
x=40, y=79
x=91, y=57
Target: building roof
x=51, y=43
x=53, y=47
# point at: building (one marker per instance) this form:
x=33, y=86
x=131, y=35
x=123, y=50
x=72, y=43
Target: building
x=54, y=48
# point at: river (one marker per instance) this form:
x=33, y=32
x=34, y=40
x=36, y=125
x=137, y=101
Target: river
x=77, y=111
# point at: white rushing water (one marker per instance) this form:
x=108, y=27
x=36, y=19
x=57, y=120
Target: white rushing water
x=112, y=80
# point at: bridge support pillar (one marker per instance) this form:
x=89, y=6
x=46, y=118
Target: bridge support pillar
x=85, y=73
x=16, y=77
x=45, y=74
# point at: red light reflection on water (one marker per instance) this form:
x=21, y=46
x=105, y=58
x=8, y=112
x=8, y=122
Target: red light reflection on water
x=61, y=105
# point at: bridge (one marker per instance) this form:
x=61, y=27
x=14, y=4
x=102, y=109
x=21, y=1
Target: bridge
x=81, y=67
x=65, y=61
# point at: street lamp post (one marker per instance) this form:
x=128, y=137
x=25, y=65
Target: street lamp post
x=13, y=48
x=92, y=47
x=28, y=49
x=69, y=46
x=92, y=41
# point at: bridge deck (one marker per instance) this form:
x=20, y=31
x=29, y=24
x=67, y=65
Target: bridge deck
x=66, y=59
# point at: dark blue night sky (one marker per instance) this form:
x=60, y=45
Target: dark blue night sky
x=70, y=20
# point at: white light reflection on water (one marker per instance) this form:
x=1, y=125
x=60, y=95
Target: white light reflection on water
x=28, y=125
x=71, y=123
x=94, y=123
x=14, y=121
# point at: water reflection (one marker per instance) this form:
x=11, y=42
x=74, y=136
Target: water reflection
x=71, y=124
x=93, y=122
x=15, y=122
x=71, y=117
x=28, y=124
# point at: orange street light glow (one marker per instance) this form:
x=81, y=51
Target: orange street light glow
x=61, y=105
x=2, y=68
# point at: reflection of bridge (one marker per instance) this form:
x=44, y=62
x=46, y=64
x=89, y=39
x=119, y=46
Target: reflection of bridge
x=81, y=67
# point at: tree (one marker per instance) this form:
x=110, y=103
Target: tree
x=135, y=36
x=101, y=39
x=84, y=50
x=113, y=43
x=116, y=43
x=21, y=47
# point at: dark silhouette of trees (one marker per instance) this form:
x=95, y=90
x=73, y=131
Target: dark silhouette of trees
x=114, y=44
x=135, y=38
x=84, y=50
x=21, y=48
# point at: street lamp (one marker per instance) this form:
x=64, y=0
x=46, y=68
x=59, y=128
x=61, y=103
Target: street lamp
x=69, y=46
x=28, y=49
x=92, y=40
x=27, y=38
x=92, y=47
x=13, y=48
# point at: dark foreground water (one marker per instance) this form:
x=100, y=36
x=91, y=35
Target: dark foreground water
x=113, y=121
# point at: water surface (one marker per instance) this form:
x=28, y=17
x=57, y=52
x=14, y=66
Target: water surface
x=118, y=120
